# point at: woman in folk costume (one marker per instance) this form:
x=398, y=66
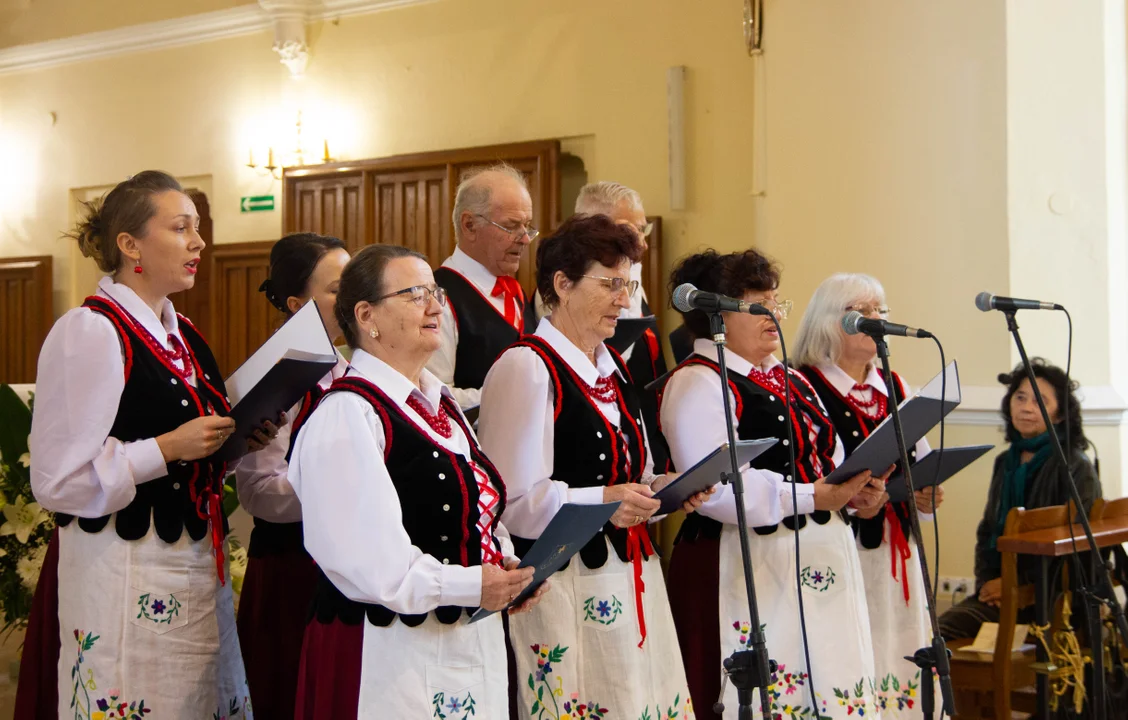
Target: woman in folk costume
x=401, y=513
x=706, y=557
x=842, y=369
x=128, y=411
x=280, y=578
x=561, y=420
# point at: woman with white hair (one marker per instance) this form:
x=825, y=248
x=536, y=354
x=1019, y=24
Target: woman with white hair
x=842, y=368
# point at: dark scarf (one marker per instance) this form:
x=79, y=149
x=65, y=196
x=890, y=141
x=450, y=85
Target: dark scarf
x=1015, y=476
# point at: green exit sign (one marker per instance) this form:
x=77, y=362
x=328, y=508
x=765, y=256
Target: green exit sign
x=256, y=203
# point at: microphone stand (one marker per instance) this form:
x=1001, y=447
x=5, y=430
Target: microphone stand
x=746, y=669
x=1103, y=592
x=937, y=655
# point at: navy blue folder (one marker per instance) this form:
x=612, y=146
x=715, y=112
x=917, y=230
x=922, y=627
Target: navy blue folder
x=932, y=470
x=570, y=529
x=707, y=472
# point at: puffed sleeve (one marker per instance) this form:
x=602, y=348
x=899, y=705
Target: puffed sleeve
x=260, y=480
x=76, y=466
x=516, y=428
x=354, y=521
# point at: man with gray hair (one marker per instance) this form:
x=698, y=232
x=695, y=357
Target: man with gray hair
x=644, y=359
x=486, y=310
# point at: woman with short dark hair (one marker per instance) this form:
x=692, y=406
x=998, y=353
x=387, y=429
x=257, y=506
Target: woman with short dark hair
x=562, y=422
x=706, y=580
x=1027, y=474
x=400, y=511
x=280, y=577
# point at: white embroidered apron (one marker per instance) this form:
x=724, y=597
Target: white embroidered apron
x=447, y=672
x=899, y=628
x=145, y=625
x=838, y=629
x=578, y=651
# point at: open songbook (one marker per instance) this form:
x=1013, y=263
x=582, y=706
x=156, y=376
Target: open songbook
x=277, y=375
x=708, y=471
x=919, y=414
x=572, y=527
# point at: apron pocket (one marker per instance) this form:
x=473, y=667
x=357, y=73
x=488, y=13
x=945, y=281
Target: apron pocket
x=824, y=572
x=159, y=598
x=603, y=600
x=457, y=693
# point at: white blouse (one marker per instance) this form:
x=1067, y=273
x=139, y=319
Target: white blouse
x=76, y=467
x=442, y=362
x=517, y=429
x=260, y=480
x=352, y=513
x=693, y=430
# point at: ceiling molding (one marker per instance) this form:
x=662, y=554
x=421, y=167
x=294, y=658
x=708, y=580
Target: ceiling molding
x=177, y=32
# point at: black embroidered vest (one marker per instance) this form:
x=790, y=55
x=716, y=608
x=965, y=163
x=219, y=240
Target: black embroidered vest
x=155, y=401
x=760, y=414
x=278, y=538
x=853, y=427
x=483, y=334
x=646, y=365
x=438, y=493
x=588, y=451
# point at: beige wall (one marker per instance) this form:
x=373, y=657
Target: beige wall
x=883, y=145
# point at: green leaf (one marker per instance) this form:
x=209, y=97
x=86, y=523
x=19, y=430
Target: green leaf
x=536, y=706
x=532, y=686
x=16, y=425
x=540, y=693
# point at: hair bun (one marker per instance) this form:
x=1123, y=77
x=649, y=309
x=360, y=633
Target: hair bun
x=1004, y=378
x=267, y=288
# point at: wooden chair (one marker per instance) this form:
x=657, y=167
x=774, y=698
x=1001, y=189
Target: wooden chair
x=993, y=686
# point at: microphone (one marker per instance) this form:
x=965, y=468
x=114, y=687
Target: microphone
x=986, y=302
x=854, y=322
x=687, y=298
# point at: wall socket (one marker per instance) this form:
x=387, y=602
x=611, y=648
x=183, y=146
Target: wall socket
x=961, y=585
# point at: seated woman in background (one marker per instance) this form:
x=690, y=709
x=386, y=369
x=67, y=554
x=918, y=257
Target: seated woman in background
x=1029, y=475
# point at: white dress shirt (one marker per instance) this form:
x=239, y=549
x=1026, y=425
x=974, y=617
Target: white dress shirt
x=443, y=361
x=693, y=431
x=260, y=480
x=517, y=429
x=76, y=467
x=350, y=507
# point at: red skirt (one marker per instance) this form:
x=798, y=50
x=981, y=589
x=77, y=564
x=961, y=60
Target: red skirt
x=273, y=610
x=37, y=694
x=329, y=673
x=692, y=585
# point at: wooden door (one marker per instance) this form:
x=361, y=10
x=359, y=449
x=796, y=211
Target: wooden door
x=25, y=315
x=242, y=318
x=195, y=304
x=407, y=200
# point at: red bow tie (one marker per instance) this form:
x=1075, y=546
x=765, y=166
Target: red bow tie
x=507, y=288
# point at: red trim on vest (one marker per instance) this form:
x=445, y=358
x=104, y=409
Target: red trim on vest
x=95, y=304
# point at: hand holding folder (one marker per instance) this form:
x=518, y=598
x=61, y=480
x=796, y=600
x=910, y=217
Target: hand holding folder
x=277, y=375
x=570, y=529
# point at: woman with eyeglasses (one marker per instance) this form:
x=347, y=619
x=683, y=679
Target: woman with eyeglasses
x=401, y=513
x=562, y=422
x=706, y=579
x=280, y=577
x=843, y=370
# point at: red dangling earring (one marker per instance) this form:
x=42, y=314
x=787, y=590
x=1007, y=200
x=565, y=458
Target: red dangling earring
x=137, y=267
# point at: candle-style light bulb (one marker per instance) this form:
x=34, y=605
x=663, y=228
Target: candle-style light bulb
x=251, y=158
x=327, y=157
x=270, y=157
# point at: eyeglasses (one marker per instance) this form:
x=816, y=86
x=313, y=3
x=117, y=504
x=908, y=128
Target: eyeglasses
x=420, y=295
x=515, y=232
x=867, y=310
x=617, y=284
x=780, y=308
x=645, y=229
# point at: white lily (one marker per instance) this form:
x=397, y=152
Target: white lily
x=22, y=518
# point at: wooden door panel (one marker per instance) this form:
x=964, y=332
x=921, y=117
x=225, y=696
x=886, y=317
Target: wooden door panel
x=25, y=315
x=244, y=318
